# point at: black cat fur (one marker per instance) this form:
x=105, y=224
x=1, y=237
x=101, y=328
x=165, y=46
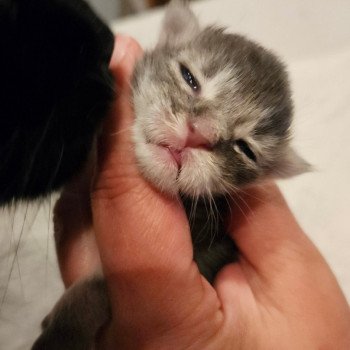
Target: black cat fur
x=55, y=89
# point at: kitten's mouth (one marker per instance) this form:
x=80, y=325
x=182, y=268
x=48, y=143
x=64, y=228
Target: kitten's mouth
x=195, y=136
x=175, y=169
x=174, y=154
x=178, y=154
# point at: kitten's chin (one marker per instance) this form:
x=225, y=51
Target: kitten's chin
x=195, y=174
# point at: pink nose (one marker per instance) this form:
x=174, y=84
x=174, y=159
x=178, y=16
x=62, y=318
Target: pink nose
x=196, y=137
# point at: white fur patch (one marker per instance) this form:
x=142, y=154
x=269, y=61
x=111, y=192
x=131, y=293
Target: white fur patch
x=213, y=87
x=200, y=172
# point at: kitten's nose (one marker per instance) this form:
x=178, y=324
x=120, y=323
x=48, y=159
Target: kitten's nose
x=199, y=135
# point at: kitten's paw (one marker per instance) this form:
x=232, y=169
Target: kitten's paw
x=76, y=319
x=57, y=339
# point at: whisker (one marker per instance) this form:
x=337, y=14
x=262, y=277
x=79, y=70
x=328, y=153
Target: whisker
x=12, y=211
x=121, y=131
x=48, y=241
x=192, y=213
x=14, y=259
x=215, y=229
x=209, y=214
x=30, y=166
x=252, y=196
x=20, y=276
x=228, y=204
x=198, y=236
x=212, y=222
x=59, y=162
x=232, y=190
x=244, y=202
x=239, y=207
x=192, y=218
x=7, y=150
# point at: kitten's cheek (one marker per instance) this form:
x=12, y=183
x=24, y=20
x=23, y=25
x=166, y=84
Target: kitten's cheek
x=159, y=166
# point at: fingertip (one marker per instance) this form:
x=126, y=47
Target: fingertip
x=233, y=290
x=126, y=52
x=229, y=278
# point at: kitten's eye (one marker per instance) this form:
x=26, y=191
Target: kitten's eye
x=189, y=78
x=244, y=148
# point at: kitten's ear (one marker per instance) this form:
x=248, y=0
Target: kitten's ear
x=291, y=164
x=180, y=24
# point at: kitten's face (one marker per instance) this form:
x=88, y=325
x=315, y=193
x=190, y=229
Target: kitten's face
x=213, y=113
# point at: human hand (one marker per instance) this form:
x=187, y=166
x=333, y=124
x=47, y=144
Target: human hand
x=280, y=295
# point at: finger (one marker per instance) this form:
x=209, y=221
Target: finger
x=274, y=253
x=267, y=232
x=75, y=241
x=281, y=273
x=119, y=187
x=142, y=235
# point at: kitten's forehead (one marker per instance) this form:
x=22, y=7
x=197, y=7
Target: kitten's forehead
x=258, y=71
x=241, y=83
x=251, y=82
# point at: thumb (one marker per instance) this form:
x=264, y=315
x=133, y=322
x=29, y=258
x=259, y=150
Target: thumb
x=143, y=236
x=268, y=238
x=267, y=232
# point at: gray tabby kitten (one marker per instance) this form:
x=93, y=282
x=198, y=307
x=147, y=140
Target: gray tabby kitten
x=213, y=114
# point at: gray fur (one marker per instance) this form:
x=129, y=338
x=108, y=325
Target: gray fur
x=76, y=319
x=254, y=97
x=244, y=95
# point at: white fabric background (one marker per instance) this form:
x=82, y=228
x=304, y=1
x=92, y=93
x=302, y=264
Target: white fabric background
x=313, y=38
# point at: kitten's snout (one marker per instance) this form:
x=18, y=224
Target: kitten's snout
x=197, y=134
x=200, y=134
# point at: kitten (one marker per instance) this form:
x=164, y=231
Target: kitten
x=213, y=113
x=55, y=90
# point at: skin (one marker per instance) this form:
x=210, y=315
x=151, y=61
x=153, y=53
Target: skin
x=280, y=295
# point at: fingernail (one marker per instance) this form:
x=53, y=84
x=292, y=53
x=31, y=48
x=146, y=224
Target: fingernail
x=121, y=48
